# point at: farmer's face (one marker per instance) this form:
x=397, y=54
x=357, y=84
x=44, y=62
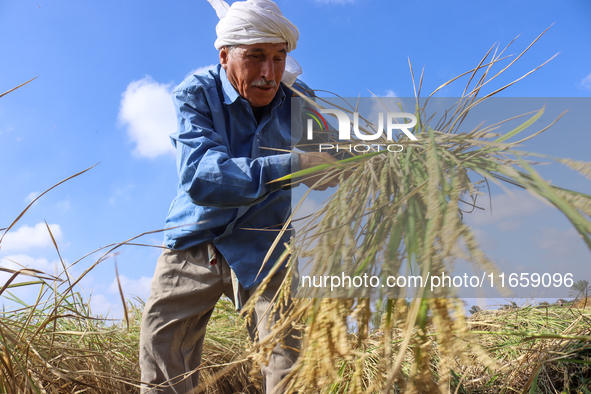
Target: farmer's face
x=255, y=70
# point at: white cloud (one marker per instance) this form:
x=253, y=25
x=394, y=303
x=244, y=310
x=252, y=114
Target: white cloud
x=390, y=93
x=31, y=196
x=132, y=287
x=26, y=237
x=148, y=113
x=28, y=293
x=19, y=261
x=200, y=70
x=100, y=305
x=586, y=82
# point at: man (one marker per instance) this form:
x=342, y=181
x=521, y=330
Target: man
x=233, y=138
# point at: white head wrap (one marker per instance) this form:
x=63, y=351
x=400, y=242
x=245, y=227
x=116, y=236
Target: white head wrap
x=255, y=22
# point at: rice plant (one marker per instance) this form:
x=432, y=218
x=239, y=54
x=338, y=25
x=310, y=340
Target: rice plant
x=398, y=213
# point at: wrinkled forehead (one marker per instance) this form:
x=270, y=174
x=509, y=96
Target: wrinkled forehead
x=262, y=48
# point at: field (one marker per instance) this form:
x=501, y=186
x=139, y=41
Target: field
x=65, y=350
x=406, y=210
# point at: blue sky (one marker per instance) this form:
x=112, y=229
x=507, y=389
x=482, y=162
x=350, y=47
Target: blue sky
x=105, y=70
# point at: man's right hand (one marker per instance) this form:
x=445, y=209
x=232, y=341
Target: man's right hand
x=313, y=159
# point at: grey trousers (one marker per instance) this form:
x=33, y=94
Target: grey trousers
x=185, y=289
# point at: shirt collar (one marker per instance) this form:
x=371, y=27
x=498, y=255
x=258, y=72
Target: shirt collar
x=279, y=97
x=231, y=94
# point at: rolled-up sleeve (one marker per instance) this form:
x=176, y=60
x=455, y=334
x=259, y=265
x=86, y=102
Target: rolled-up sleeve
x=208, y=174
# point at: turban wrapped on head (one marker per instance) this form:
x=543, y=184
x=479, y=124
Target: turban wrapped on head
x=255, y=22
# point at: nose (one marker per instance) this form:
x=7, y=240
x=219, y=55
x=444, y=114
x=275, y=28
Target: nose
x=268, y=69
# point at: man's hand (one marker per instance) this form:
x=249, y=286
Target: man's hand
x=313, y=159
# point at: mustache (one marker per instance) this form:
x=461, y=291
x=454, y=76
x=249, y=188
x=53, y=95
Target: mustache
x=263, y=83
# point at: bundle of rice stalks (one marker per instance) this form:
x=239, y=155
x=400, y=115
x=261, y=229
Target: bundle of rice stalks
x=394, y=214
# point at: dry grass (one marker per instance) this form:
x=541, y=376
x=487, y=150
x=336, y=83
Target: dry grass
x=61, y=348
x=64, y=349
x=547, y=348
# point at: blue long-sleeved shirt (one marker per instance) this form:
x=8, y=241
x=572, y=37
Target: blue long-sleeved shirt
x=225, y=160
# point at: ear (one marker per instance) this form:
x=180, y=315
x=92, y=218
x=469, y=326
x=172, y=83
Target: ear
x=224, y=57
